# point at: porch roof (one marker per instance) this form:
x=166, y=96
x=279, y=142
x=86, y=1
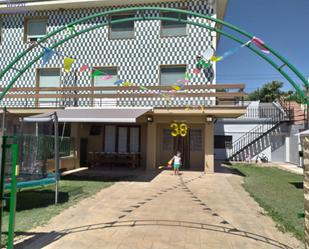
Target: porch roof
x=103, y=115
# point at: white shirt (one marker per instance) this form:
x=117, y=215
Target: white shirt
x=177, y=159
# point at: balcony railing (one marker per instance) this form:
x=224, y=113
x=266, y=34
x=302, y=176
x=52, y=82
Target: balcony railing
x=59, y=97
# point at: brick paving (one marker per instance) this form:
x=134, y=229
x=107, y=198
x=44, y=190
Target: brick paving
x=188, y=211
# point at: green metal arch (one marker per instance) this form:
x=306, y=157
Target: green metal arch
x=245, y=36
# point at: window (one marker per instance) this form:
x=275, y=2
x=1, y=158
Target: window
x=195, y=139
x=122, y=139
x=35, y=29
x=48, y=78
x=124, y=30
x=95, y=130
x=110, y=139
x=134, y=139
x=223, y=142
x=172, y=28
x=100, y=81
x=169, y=75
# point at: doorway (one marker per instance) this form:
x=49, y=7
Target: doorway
x=190, y=146
x=182, y=144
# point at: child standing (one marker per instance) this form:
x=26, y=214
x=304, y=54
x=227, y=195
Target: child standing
x=177, y=163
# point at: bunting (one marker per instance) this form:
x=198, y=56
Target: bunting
x=48, y=54
x=260, y=44
x=68, y=64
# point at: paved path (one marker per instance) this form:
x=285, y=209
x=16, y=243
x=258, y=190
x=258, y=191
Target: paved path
x=188, y=211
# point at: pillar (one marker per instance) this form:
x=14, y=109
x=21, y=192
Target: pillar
x=151, y=153
x=306, y=188
x=75, y=134
x=209, y=148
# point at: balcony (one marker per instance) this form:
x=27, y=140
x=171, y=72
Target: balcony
x=62, y=97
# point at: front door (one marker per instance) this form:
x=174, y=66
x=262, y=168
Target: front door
x=182, y=144
x=168, y=146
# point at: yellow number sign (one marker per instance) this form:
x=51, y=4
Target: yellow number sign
x=179, y=129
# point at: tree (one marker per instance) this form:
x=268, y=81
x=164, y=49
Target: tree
x=268, y=92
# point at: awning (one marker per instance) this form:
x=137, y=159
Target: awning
x=108, y=115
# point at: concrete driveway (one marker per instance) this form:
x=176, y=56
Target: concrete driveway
x=188, y=211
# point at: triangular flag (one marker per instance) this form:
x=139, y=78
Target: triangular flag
x=260, y=44
x=118, y=82
x=97, y=73
x=143, y=88
x=83, y=68
x=176, y=87
x=204, y=64
x=48, y=54
x=68, y=64
x=196, y=71
x=107, y=77
x=127, y=83
x=188, y=76
x=215, y=59
x=72, y=29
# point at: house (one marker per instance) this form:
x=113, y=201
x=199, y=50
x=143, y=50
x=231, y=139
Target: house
x=110, y=124
x=266, y=128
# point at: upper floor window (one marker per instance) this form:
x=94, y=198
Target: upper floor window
x=170, y=75
x=172, y=28
x=107, y=77
x=124, y=30
x=35, y=29
x=48, y=77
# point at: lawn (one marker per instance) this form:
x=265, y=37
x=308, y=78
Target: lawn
x=35, y=207
x=280, y=193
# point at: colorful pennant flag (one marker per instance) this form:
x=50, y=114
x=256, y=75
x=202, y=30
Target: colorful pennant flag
x=143, y=88
x=188, y=76
x=72, y=29
x=48, y=54
x=97, y=73
x=68, y=64
x=176, y=87
x=196, y=71
x=83, y=68
x=127, y=83
x=215, y=59
x=107, y=77
x=118, y=82
x=204, y=64
x=260, y=44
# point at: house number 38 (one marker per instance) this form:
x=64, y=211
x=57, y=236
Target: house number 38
x=179, y=129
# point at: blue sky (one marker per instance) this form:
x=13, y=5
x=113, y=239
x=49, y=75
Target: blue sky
x=282, y=24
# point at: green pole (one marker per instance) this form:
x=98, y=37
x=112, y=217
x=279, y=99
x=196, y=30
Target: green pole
x=13, y=197
x=4, y=141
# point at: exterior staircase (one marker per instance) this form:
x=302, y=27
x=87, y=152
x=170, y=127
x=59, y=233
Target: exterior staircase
x=270, y=118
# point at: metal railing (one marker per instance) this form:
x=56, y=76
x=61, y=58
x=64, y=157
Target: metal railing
x=270, y=118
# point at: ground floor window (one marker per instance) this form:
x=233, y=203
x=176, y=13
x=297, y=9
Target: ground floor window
x=223, y=142
x=121, y=139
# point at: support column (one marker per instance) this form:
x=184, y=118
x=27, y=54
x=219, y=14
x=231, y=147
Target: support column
x=151, y=146
x=306, y=188
x=75, y=134
x=209, y=148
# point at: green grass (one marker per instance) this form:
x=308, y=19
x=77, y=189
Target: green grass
x=35, y=207
x=280, y=193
